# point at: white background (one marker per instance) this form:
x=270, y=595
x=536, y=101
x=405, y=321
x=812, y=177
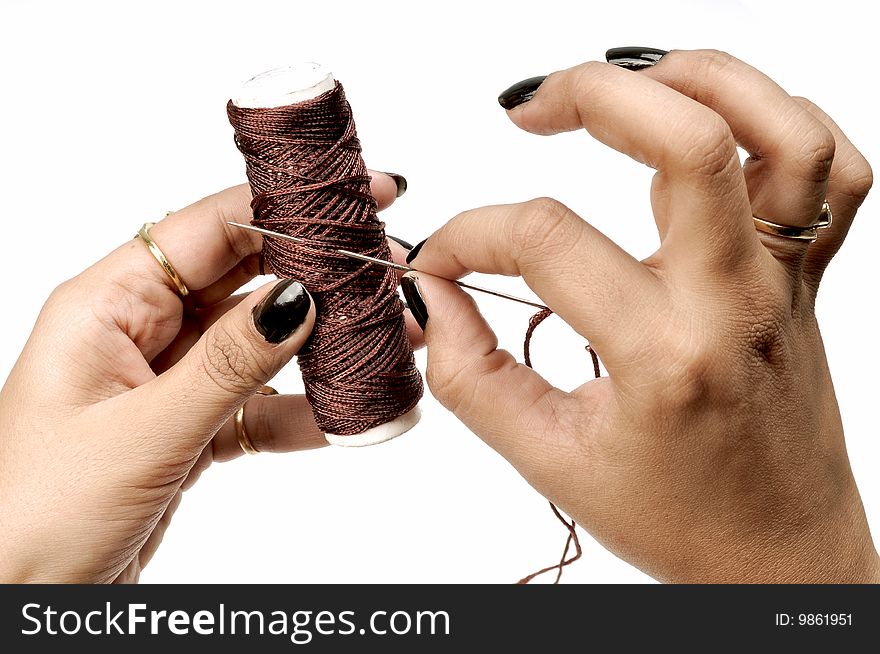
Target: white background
x=113, y=113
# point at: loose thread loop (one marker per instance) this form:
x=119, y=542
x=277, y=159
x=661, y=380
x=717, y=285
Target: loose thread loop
x=570, y=525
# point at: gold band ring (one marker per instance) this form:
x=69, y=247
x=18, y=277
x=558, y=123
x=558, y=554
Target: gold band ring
x=144, y=235
x=809, y=233
x=244, y=441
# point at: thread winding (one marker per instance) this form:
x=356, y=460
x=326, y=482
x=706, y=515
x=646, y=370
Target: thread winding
x=308, y=180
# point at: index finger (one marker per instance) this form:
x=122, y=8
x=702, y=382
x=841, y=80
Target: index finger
x=583, y=276
x=685, y=141
x=200, y=244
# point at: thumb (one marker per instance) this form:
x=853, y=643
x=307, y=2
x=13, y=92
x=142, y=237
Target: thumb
x=501, y=401
x=237, y=355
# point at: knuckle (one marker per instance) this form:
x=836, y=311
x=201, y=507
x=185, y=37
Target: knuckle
x=581, y=84
x=764, y=341
x=225, y=361
x=61, y=293
x=698, y=358
x=815, y=152
x=761, y=325
x=690, y=362
x=546, y=227
x=705, y=61
x=589, y=79
x=806, y=103
x=854, y=177
x=70, y=302
x=857, y=178
x=710, y=148
x=712, y=60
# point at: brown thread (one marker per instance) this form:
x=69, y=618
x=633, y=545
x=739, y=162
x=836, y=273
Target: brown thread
x=308, y=179
x=570, y=525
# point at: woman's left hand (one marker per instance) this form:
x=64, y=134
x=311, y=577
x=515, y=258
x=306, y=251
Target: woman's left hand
x=121, y=398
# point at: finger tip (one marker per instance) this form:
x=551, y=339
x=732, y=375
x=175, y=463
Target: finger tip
x=308, y=324
x=400, y=182
x=398, y=250
x=384, y=188
x=413, y=332
x=281, y=315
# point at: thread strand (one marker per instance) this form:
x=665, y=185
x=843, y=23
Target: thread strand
x=570, y=525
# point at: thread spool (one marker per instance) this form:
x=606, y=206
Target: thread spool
x=286, y=86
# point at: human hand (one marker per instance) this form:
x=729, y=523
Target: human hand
x=121, y=398
x=714, y=450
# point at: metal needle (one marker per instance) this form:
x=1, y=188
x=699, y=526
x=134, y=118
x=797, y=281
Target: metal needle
x=387, y=264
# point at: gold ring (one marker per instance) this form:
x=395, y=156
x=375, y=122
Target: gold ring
x=244, y=441
x=144, y=235
x=809, y=233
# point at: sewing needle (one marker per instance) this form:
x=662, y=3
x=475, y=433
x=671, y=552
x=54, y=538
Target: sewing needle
x=387, y=264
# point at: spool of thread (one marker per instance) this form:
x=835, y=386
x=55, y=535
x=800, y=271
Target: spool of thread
x=303, y=159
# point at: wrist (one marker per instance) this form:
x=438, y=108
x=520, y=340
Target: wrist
x=831, y=546
x=833, y=551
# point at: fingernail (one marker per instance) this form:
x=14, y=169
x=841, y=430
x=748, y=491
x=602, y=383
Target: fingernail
x=520, y=92
x=400, y=242
x=413, y=253
x=410, y=288
x=400, y=180
x=634, y=57
x=282, y=311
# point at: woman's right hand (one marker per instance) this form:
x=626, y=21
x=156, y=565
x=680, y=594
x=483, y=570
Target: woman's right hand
x=714, y=450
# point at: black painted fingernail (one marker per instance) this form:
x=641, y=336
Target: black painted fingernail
x=400, y=242
x=280, y=313
x=634, y=57
x=413, y=253
x=520, y=92
x=414, y=300
x=400, y=180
